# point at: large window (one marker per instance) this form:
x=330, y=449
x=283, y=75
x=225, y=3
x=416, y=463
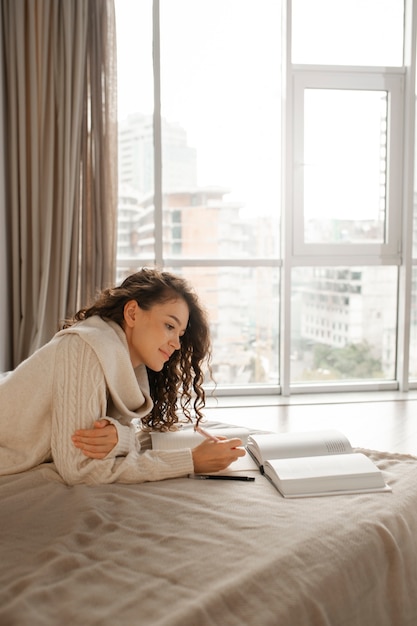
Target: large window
x=274, y=169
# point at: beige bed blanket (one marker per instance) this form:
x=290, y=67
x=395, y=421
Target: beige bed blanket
x=207, y=553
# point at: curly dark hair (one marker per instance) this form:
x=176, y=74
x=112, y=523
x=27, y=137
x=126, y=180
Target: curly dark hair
x=181, y=379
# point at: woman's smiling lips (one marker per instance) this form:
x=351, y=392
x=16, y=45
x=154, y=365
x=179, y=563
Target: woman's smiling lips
x=166, y=355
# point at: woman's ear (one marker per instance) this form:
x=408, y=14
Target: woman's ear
x=129, y=312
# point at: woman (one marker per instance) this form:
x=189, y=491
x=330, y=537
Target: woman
x=134, y=353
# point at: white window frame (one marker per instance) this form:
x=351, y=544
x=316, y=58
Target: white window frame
x=392, y=82
x=396, y=250
x=295, y=252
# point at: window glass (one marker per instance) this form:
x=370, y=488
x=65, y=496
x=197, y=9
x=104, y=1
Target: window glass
x=348, y=32
x=413, y=311
x=221, y=103
x=221, y=168
x=413, y=329
x=414, y=241
x=243, y=308
x=345, y=165
x=135, y=125
x=242, y=305
x=343, y=324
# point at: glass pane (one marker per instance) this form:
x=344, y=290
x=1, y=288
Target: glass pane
x=345, y=156
x=135, y=111
x=221, y=127
x=413, y=312
x=343, y=324
x=243, y=308
x=242, y=304
x=415, y=185
x=413, y=329
x=348, y=32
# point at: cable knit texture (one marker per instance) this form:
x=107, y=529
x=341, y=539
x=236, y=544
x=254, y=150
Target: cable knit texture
x=84, y=373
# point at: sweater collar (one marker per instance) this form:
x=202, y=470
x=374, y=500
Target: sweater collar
x=128, y=387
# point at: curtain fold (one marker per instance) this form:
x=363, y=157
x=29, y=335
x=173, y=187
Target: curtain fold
x=60, y=99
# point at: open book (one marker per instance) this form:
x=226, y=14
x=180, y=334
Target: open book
x=314, y=463
x=188, y=438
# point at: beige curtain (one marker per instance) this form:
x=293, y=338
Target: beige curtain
x=61, y=160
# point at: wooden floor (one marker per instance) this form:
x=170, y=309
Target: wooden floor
x=380, y=424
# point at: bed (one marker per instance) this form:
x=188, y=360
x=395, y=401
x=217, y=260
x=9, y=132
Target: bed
x=185, y=552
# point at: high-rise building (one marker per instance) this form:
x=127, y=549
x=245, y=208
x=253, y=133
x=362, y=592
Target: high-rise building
x=136, y=156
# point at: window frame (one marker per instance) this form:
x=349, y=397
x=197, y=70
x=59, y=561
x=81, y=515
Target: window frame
x=354, y=79
x=296, y=253
x=396, y=251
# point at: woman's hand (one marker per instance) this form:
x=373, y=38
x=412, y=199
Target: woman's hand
x=214, y=456
x=97, y=442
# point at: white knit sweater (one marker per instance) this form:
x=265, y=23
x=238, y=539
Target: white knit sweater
x=84, y=373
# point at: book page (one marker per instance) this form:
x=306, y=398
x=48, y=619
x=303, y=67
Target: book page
x=324, y=474
x=302, y=444
x=188, y=438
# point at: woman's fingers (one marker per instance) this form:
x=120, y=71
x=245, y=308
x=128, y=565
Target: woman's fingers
x=212, y=456
x=96, y=442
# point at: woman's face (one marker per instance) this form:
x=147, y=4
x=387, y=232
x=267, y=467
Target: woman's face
x=153, y=335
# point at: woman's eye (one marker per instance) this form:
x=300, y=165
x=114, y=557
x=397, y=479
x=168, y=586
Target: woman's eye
x=170, y=327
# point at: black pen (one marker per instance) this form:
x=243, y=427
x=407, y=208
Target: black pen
x=221, y=477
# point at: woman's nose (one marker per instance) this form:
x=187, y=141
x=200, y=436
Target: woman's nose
x=175, y=342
